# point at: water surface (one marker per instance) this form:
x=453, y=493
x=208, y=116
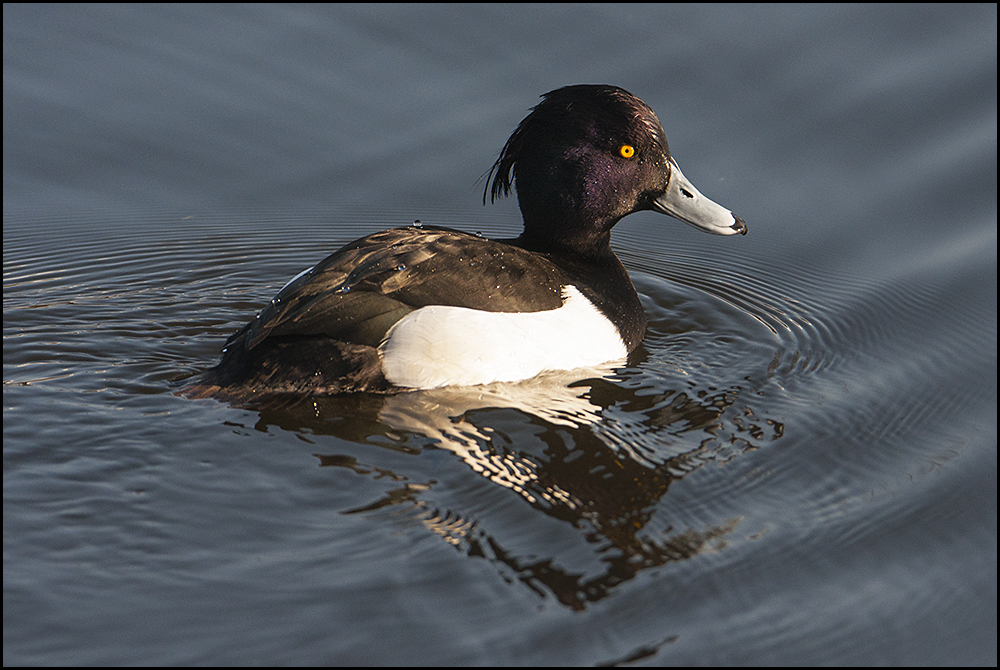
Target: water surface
x=797, y=466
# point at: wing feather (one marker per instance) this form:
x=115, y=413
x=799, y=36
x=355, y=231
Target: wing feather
x=357, y=293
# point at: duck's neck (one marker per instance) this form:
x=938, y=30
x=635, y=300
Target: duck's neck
x=600, y=275
x=566, y=236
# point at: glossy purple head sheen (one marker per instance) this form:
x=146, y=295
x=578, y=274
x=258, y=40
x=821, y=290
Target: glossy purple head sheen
x=587, y=156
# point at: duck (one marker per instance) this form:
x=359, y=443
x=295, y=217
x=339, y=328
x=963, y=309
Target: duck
x=424, y=307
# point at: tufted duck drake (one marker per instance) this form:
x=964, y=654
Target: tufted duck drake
x=425, y=307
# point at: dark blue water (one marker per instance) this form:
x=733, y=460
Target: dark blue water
x=798, y=465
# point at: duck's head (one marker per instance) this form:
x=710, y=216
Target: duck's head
x=587, y=156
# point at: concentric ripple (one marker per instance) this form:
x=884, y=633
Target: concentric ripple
x=741, y=355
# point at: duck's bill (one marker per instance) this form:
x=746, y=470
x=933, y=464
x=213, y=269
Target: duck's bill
x=683, y=202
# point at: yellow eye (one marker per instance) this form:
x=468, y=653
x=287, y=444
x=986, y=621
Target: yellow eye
x=627, y=151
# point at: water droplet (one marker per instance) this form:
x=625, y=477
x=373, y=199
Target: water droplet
x=479, y=233
x=417, y=223
x=401, y=267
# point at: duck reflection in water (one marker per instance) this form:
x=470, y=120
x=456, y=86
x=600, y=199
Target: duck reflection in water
x=599, y=465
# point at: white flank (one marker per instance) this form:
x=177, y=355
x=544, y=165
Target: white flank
x=455, y=346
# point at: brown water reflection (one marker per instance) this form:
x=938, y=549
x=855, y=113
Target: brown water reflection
x=610, y=455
